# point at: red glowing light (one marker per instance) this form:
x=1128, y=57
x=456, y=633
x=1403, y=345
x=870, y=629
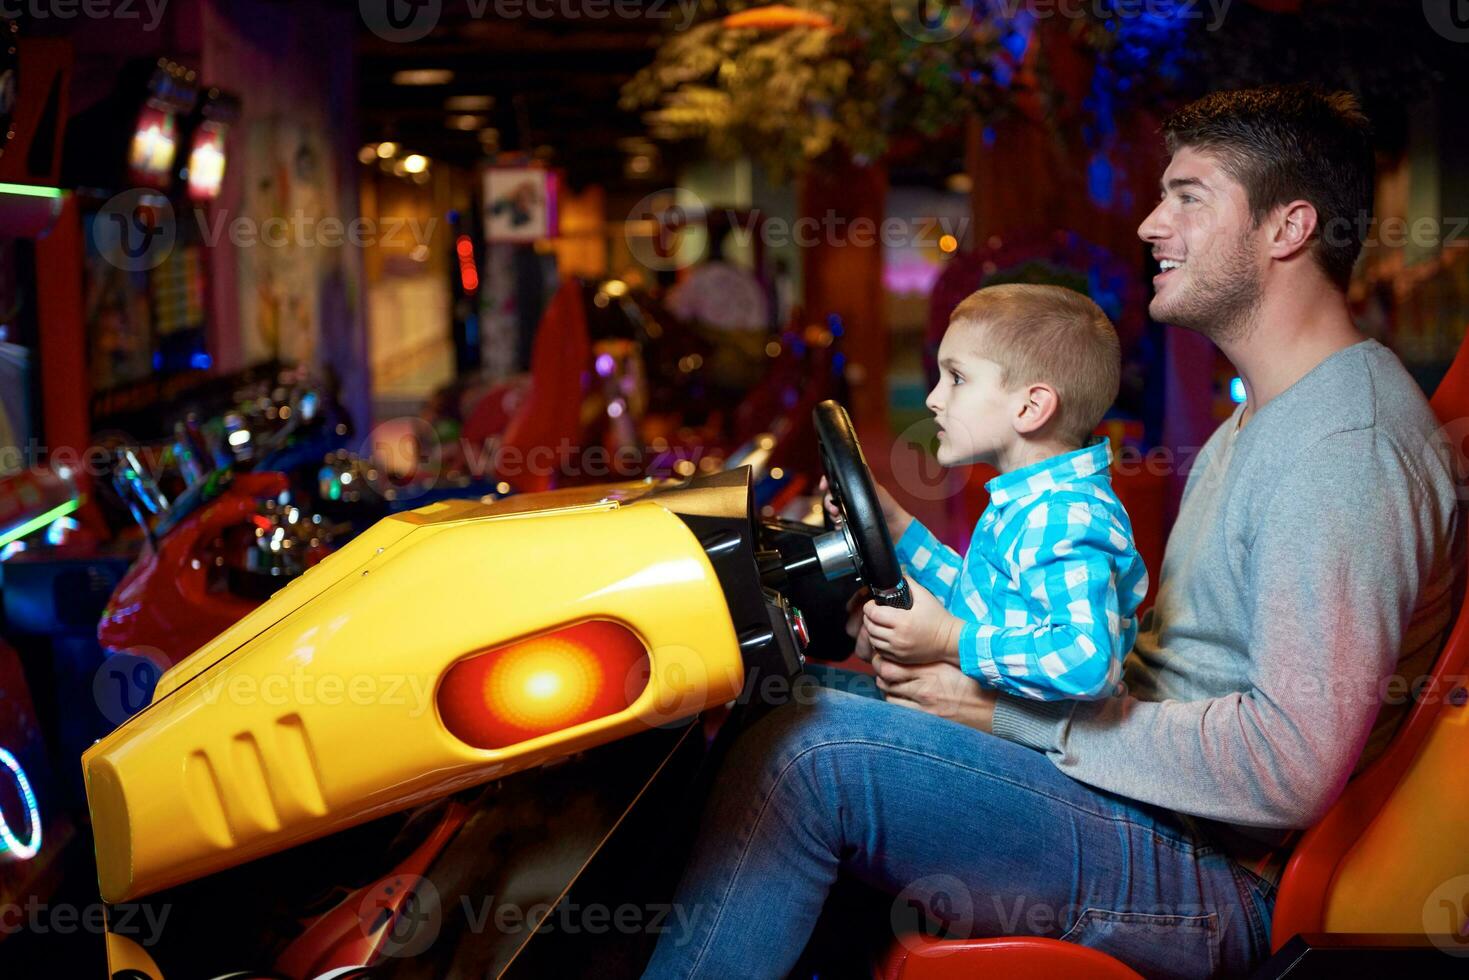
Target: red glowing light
x=468, y=274
x=544, y=684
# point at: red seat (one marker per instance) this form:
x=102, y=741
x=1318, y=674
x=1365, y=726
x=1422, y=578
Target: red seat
x=1375, y=861
x=1013, y=958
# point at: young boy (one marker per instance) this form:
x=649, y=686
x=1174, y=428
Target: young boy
x=1043, y=605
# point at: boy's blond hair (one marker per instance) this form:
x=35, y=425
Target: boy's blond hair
x=1050, y=335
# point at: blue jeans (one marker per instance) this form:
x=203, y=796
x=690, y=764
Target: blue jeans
x=972, y=834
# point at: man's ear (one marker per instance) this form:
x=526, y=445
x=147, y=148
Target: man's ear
x=1295, y=226
x=1039, y=403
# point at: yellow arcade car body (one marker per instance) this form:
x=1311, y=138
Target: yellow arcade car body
x=444, y=648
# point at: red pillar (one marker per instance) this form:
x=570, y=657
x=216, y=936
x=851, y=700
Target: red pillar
x=65, y=387
x=842, y=209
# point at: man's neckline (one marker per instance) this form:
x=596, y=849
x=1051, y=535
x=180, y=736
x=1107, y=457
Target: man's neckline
x=1239, y=415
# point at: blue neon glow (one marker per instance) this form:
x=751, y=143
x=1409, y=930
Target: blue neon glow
x=200, y=361
x=11, y=846
x=56, y=533
x=1237, y=391
x=1099, y=180
x=1017, y=40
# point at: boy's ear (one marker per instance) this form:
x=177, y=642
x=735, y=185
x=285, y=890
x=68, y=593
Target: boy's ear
x=1039, y=403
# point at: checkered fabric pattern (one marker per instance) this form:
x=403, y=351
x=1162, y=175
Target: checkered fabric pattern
x=1050, y=585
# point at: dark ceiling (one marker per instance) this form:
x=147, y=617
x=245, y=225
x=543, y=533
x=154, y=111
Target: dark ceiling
x=555, y=82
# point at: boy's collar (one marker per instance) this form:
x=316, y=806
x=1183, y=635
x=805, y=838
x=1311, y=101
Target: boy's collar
x=1051, y=473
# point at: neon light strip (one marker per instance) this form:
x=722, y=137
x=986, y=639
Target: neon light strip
x=32, y=190
x=9, y=843
x=35, y=525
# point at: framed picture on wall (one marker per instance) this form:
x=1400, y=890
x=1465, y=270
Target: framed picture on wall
x=520, y=204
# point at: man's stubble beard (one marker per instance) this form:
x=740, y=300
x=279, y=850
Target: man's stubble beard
x=1220, y=304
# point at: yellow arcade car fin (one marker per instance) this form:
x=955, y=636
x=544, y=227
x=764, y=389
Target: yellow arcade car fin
x=360, y=699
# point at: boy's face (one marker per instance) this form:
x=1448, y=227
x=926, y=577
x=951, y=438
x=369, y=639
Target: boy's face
x=974, y=411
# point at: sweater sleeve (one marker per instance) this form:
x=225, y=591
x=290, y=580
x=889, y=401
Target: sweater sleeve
x=929, y=562
x=1333, y=574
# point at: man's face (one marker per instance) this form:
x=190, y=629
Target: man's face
x=972, y=407
x=1205, y=239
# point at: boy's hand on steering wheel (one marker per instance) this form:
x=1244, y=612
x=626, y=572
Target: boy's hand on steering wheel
x=926, y=633
x=832, y=510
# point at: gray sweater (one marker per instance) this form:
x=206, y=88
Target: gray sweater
x=1307, y=580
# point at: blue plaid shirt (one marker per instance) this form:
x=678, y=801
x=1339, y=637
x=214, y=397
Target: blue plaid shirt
x=1051, y=584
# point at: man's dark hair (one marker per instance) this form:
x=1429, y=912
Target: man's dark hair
x=1287, y=143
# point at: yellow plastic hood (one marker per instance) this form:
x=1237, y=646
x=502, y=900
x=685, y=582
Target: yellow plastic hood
x=319, y=710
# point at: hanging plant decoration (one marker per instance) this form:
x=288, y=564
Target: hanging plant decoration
x=786, y=83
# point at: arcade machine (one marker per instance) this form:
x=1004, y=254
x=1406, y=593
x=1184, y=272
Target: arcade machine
x=140, y=158
x=40, y=406
x=103, y=321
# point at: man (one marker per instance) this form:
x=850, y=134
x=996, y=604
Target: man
x=1309, y=563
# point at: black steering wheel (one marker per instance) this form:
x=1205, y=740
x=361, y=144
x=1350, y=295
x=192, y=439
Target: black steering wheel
x=863, y=531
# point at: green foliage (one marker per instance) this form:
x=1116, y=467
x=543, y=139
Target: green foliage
x=787, y=96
